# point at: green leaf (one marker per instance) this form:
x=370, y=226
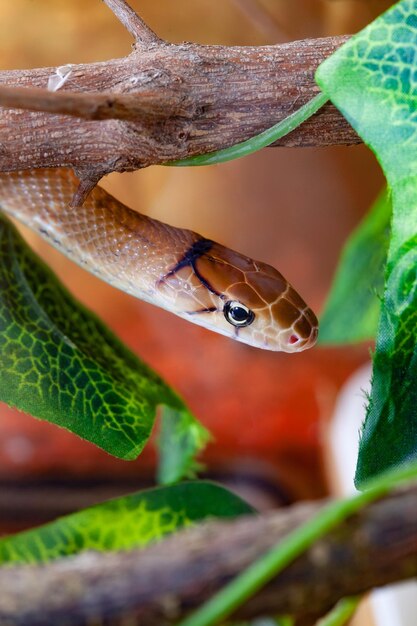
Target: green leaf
x=125, y=523
x=352, y=309
x=342, y=613
x=373, y=81
x=60, y=363
x=180, y=438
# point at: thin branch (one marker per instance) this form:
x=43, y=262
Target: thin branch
x=93, y=106
x=161, y=584
x=132, y=22
x=88, y=179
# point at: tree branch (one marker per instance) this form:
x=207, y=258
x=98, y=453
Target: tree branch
x=162, y=583
x=132, y=22
x=94, y=106
x=164, y=103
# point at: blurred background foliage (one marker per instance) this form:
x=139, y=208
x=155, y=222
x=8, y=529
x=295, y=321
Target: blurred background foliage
x=292, y=208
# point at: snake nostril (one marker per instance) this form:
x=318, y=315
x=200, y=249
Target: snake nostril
x=293, y=339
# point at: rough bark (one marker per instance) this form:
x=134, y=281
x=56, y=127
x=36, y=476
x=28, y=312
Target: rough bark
x=132, y=22
x=162, y=583
x=164, y=102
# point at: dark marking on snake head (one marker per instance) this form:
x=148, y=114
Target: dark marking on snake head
x=210, y=309
x=194, y=252
x=197, y=249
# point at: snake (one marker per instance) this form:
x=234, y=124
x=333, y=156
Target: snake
x=173, y=268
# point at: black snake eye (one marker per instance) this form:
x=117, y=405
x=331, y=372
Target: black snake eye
x=238, y=314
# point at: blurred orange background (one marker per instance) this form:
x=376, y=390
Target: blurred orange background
x=292, y=208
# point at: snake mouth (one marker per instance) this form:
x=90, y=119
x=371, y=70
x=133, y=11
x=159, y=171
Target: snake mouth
x=296, y=343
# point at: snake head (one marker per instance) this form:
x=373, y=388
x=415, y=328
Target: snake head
x=247, y=300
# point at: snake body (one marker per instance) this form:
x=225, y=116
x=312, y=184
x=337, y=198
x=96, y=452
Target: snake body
x=173, y=268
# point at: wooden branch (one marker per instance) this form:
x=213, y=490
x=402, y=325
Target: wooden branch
x=202, y=98
x=162, y=583
x=95, y=106
x=132, y=22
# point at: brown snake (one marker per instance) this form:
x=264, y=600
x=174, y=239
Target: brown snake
x=173, y=268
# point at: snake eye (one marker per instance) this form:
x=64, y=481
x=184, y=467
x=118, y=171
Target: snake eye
x=238, y=314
